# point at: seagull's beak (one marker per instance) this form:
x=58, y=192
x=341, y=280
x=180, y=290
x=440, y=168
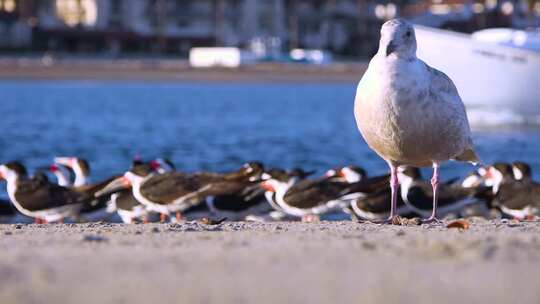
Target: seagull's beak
x=115, y=185
x=391, y=47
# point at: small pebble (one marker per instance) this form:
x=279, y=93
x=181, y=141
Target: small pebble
x=209, y=221
x=459, y=224
x=94, y=238
x=368, y=246
x=513, y=223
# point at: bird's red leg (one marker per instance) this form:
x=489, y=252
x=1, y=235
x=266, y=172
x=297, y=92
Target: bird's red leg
x=434, y=185
x=162, y=217
x=145, y=219
x=37, y=220
x=178, y=216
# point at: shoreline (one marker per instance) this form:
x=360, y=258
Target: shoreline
x=281, y=262
x=174, y=70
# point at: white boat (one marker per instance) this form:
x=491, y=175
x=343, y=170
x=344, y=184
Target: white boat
x=494, y=71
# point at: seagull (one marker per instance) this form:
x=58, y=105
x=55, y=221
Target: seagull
x=410, y=113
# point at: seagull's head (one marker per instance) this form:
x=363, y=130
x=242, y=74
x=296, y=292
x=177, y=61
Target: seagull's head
x=397, y=39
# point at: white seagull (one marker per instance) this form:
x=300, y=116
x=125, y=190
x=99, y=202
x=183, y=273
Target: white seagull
x=408, y=112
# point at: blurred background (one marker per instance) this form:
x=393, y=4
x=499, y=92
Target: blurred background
x=213, y=83
x=345, y=28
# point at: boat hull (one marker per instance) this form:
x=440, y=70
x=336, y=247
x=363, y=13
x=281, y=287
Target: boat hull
x=487, y=75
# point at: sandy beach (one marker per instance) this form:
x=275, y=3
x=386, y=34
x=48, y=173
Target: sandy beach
x=237, y=262
x=174, y=70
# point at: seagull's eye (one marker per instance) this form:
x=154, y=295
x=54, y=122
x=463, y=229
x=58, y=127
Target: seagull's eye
x=408, y=34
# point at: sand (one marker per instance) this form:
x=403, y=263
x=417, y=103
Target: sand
x=175, y=71
x=329, y=262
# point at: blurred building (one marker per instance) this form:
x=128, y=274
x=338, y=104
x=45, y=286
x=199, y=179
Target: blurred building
x=345, y=27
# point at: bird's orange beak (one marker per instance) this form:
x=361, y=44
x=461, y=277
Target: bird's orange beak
x=489, y=173
x=268, y=187
x=1, y=176
x=125, y=182
x=115, y=185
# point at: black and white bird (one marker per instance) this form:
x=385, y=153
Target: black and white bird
x=372, y=205
x=63, y=174
x=40, y=199
x=176, y=192
x=347, y=174
x=305, y=198
x=417, y=194
x=515, y=195
x=126, y=205
x=80, y=168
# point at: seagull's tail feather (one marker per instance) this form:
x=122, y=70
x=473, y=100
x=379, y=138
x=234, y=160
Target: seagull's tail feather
x=469, y=155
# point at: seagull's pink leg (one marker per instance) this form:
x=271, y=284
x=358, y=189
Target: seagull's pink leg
x=394, y=184
x=434, y=185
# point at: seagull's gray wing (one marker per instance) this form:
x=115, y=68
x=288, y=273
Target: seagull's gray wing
x=452, y=110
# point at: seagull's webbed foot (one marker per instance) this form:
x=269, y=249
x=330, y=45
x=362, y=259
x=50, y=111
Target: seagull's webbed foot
x=432, y=220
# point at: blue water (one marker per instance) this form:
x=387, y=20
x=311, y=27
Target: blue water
x=205, y=126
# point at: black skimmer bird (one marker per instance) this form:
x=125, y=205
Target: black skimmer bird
x=126, y=205
x=6, y=210
x=372, y=204
x=251, y=200
x=305, y=198
x=347, y=174
x=36, y=197
x=522, y=171
x=516, y=198
x=417, y=194
x=80, y=167
x=176, y=192
x=63, y=174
